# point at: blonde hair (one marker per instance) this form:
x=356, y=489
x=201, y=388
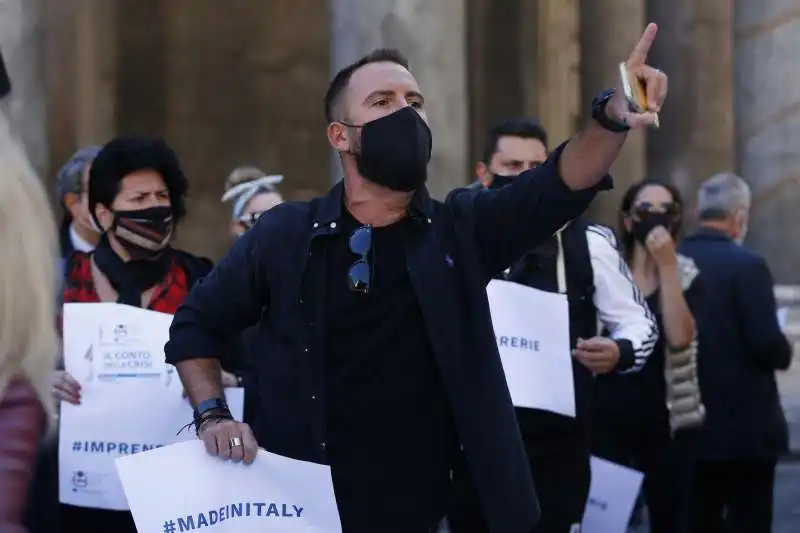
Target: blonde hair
x=29, y=275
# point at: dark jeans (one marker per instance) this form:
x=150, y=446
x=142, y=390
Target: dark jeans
x=561, y=475
x=667, y=465
x=42, y=513
x=733, y=496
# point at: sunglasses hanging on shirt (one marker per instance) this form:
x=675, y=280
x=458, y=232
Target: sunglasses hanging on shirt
x=359, y=275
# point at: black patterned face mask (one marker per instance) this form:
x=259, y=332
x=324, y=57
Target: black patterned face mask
x=144, y=233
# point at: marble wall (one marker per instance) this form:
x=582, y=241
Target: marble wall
x=767, y=115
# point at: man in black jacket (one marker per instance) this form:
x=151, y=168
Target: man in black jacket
x=376, y=352
x=738, y=353
x=600, y=289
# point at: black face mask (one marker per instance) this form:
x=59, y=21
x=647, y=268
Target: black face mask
x=395, y=150
x=144, y=233
x=499, y=181
x=642, y=228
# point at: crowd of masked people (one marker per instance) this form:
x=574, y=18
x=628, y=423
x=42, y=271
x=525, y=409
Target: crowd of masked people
x=675, y=340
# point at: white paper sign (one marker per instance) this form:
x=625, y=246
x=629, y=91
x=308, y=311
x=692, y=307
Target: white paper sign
x=612, y=495
x=131, y=401
x=532, y=332
x=195, y=490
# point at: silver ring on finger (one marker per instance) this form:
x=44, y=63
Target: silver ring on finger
x=233, y=442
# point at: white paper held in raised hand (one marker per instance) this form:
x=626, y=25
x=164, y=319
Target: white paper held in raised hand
x=131, y=400
x=612, y=495
x=532, y=332
x=181, y=488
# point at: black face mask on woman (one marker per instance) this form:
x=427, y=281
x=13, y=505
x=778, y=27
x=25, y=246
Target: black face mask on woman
x=395, y=150
x=143, y=233
x=642, y=228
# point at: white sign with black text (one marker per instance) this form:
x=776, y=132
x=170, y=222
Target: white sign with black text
x=532, y=332
x=612, y=495
x=181, y=488
x=131, y=399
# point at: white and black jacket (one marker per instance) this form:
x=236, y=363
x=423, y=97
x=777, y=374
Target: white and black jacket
x=621, y=308
x=602, y=296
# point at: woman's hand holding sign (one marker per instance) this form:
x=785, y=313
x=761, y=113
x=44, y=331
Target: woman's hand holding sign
x=66, y=388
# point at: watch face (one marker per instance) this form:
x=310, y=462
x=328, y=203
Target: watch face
x=601, y=99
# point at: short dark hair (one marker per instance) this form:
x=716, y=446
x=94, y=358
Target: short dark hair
x=626, y=204
x=523, y=127
x=342, y=79
x=124, y=155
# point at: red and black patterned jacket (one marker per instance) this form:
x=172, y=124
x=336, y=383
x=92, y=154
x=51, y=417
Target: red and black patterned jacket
x=186, y=269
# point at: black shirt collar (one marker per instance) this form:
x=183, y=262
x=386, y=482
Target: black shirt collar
x=329, y=212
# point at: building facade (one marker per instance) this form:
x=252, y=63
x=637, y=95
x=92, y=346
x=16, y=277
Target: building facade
x=242, y=81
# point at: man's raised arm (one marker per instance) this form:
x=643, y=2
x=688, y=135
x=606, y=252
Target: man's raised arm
x=516, y=218
x=589, y=155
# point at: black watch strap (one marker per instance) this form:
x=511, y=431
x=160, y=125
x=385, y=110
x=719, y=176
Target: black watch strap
x=599, y=113
x=213, y=404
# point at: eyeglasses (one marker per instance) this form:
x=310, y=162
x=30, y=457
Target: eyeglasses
x=646, y=209
x=250, y=220
x=360, y=273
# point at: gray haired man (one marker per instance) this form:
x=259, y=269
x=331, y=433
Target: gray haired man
x=77, y=232
x=740, y=347
x=723, y=203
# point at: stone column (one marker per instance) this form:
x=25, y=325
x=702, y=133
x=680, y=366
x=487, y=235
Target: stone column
x=432, y=36
x=767, y=104
x=240, y=84
x=495, y=57
x=550, y=62
x=695, y=48
x=81, y=59
x=96, y=70
x=609, y=31
x=21, y=41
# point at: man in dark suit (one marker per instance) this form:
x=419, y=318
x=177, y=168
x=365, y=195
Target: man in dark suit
x=739, y=351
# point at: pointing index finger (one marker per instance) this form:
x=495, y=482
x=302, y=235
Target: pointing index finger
x=639, y=55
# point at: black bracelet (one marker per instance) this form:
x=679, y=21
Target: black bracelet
x=217, y=416
x=206, y=416
x=208, y=405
